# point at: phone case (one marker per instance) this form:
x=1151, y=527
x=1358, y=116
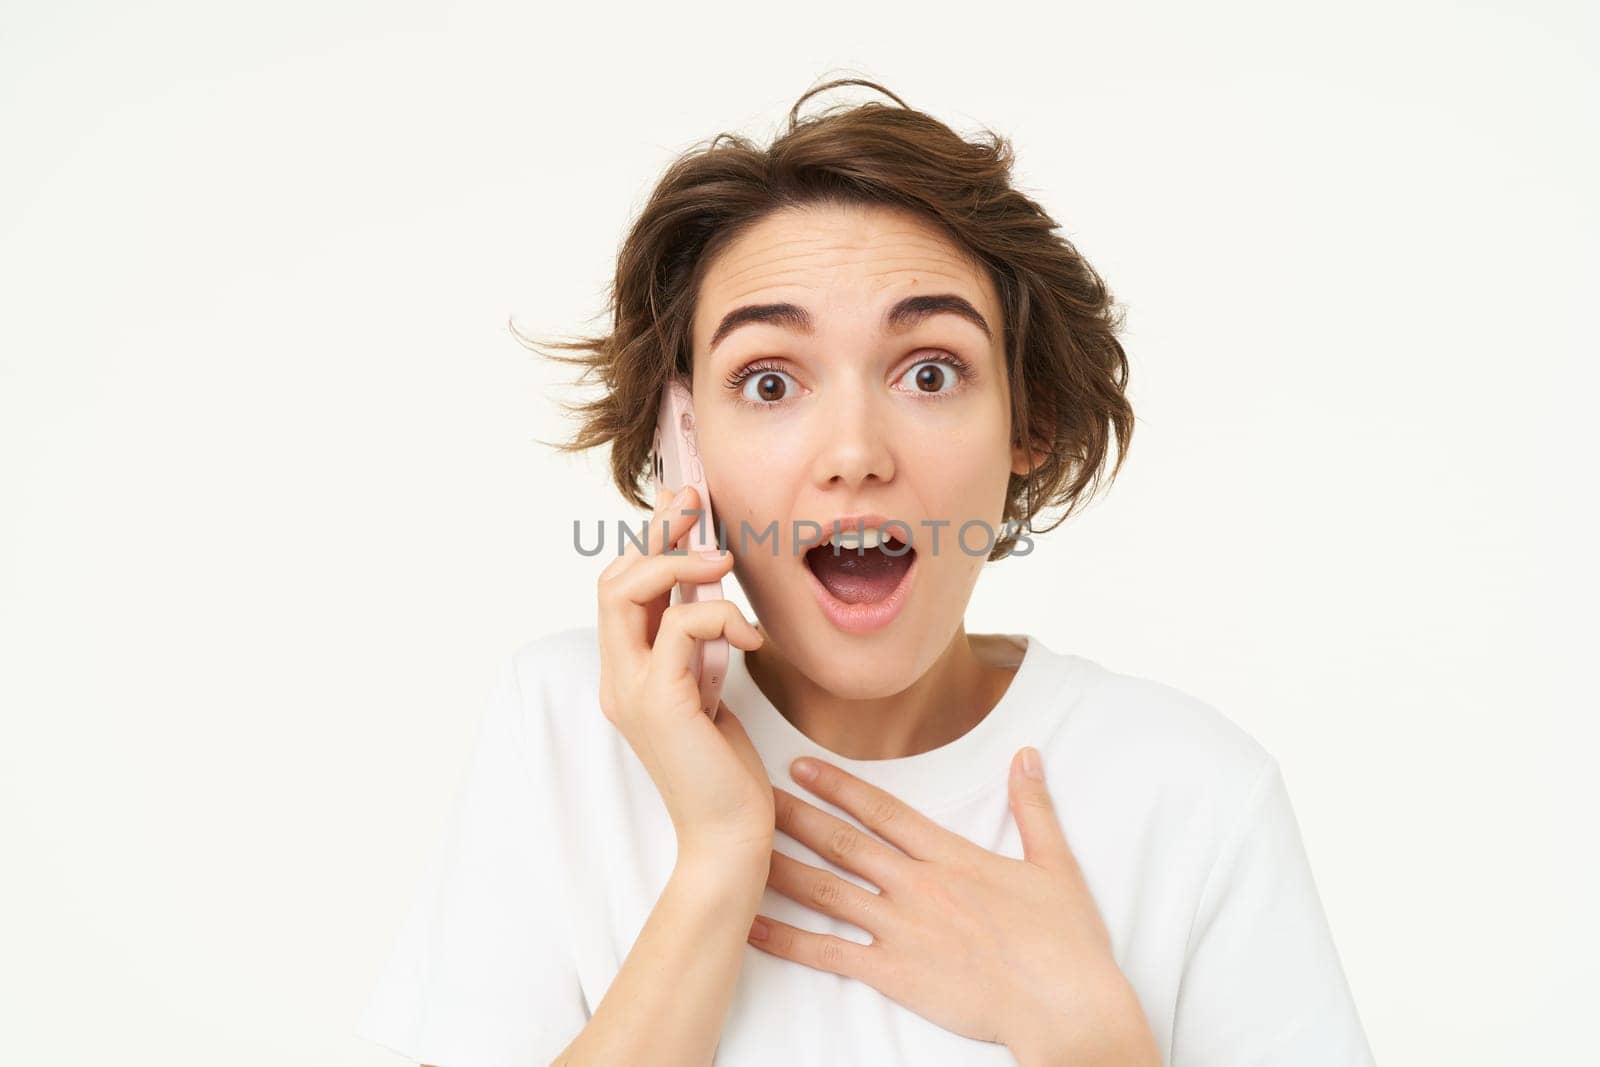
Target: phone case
x=676, y=461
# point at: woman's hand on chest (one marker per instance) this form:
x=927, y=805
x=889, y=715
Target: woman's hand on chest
x=987, y=946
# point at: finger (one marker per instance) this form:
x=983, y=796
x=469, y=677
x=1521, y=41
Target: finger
x=683, y=511
x=626, y=598
x=881, y=812
x=654, y=575
x=670, y=520
x=628, y=550
x=821, y=951
x=839, y=843
x=684, y=624
x=1043, y=841
x=738, y=738
x=825, y=891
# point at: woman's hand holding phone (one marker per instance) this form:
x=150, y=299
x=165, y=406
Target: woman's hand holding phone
x=708, y=772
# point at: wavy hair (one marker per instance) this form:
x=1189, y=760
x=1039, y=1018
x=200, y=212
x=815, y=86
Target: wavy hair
x=1066, y=368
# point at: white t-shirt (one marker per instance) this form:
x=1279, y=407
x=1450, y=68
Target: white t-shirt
x=560, y=846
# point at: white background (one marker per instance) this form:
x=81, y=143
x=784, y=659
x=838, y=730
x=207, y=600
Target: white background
x=273, y=510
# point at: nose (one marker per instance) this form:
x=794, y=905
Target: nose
x=854, y=447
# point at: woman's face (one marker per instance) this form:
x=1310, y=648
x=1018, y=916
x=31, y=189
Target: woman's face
x=857, y=414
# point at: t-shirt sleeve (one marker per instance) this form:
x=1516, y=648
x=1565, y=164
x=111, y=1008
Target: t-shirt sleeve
x=482, y=972
x=1262, y=982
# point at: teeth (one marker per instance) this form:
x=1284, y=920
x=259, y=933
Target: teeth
x=869, y=538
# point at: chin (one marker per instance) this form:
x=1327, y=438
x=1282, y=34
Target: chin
x=888, y=669
x=853, y=666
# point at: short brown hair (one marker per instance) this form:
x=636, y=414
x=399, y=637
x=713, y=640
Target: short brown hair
x=1067, y=371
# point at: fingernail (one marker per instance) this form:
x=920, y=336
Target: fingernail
x=711, y=553
x=682, y=498
x=1030, y=763
x=758, y=930
x=804, y=770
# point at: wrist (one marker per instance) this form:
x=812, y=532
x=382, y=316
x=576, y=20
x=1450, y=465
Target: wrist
x=1137, y=1050
x=1119, y=1036
x=731, y=873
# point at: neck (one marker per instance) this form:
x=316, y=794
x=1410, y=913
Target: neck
x=961, y=687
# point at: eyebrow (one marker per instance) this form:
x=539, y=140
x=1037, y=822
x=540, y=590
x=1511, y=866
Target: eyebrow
x=902, y=316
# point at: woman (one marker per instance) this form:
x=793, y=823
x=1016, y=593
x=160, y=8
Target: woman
x=876, y=328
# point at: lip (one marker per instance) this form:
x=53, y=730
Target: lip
x=863, y=618
x=855, y=522
x=865, y=521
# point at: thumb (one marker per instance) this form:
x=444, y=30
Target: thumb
x=733, y=730
x=1043, y=841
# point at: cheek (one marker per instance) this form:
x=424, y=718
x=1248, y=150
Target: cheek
x=967, y=476
x=745, y=487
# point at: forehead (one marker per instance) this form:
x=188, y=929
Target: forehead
x=839, y=257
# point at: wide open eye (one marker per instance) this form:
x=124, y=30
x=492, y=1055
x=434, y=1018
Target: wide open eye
x=933, y=377
x=763, y=385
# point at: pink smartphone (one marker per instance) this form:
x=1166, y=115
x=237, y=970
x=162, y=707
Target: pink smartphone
x=676, y=463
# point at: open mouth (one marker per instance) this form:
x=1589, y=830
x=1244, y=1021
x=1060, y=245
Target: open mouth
x=861, y=575
x=862, y=588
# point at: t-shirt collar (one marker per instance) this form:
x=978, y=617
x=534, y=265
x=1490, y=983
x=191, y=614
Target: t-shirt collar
x=941, y=777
